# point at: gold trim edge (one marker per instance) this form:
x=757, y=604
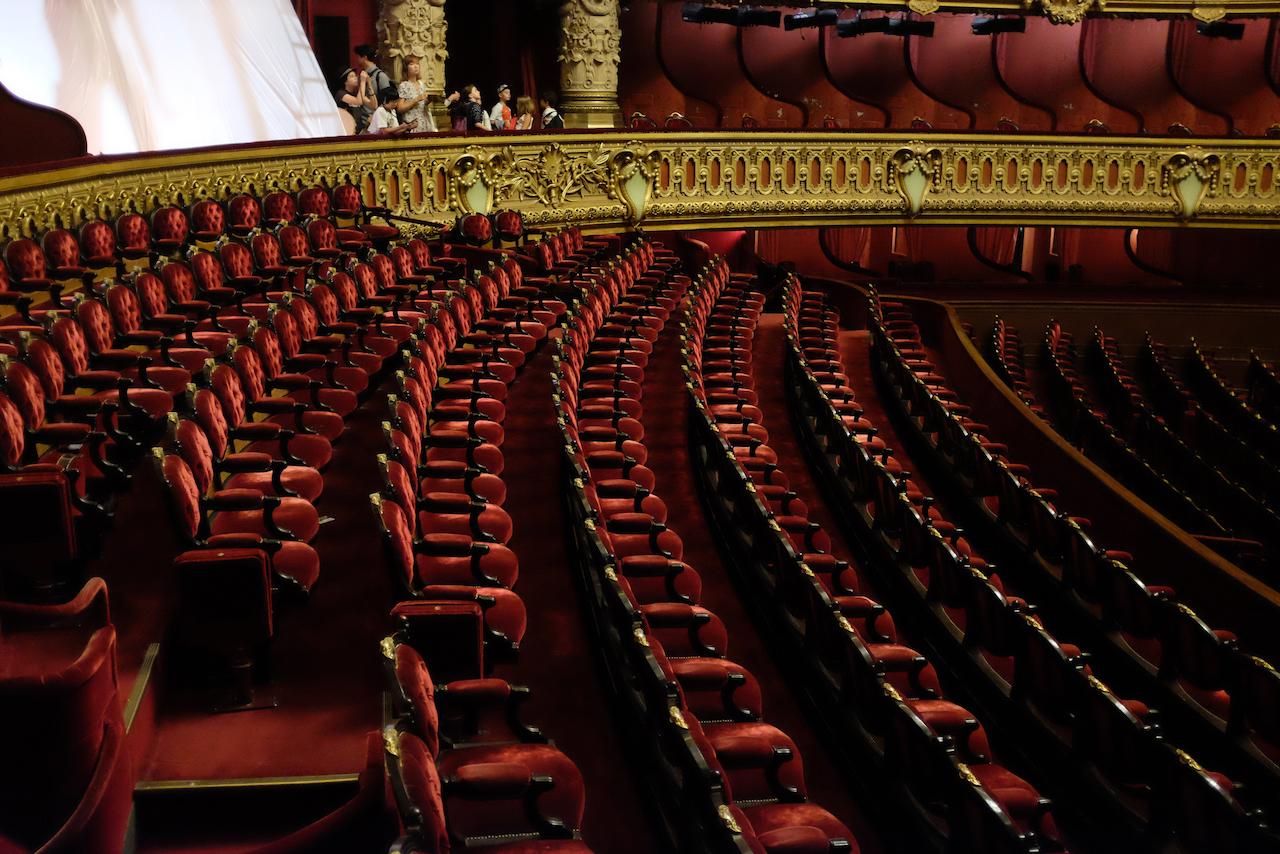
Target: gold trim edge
x=709, y=179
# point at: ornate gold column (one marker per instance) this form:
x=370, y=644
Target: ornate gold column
x=415, y=28
x=590, y=41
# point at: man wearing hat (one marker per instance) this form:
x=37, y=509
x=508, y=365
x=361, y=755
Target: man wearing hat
x=500, y=117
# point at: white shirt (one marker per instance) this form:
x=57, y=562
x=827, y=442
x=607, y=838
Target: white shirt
x=382, y=118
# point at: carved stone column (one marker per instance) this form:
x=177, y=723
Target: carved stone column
x=415, y=28
x=590, y=41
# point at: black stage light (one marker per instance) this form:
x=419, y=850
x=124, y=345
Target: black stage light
x=990, y=25
x=750, y=16
x=861, y=26
x=1221, y=30
x=701, y=13
x=904, y=27
x=821, y=18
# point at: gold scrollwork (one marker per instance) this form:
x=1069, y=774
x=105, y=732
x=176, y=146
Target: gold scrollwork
x=913, y=171
x=1190, y=176
x=703, y=179
x=1065, y=11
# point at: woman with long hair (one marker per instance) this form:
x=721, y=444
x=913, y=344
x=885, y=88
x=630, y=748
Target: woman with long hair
x=415, y=99
x=468, y=113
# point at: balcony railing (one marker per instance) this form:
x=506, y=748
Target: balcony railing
x=704, y=179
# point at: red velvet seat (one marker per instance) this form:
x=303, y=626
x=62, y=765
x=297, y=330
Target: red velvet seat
x=479, y=767
x=208, y=220
x=170, y=228
x=98, y=244
x=293, y=563
x=264, y=472
x=244, y=215
x=291, y=443
x=293, y=515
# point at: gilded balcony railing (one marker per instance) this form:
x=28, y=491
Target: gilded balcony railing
x=705, y=179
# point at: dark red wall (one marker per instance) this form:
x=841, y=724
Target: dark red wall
x=1042, y=66
x=1131, y=76
x=959, y=68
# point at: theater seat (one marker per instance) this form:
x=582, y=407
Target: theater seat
x=70, y=779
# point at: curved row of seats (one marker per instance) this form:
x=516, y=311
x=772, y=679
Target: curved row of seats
x=1195, y=662
x=1144, y=446
x=1262, y=389
x=135, y=339
x=1053, y=679
x=936, y=750
x=601, y=381
x=1079, y=420
x=1230, y=404
x=1006, y=355
x=238, y=375
x=462, y=769
x=1226, y=434
x=1185, y=441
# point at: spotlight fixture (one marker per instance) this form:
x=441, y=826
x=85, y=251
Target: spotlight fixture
x=1221, y=30
x=905, y=27
x=751, y=16
x=991, y=25
x=701, y=13
x=739, y=16
x=861, y=26
x=820, y=18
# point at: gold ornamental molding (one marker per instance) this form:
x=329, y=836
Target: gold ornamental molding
x=1057, y=11
x=711, y=179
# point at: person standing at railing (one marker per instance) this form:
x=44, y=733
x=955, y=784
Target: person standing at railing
x=379, y=81
x=500, y=117
x=415, y=98
x=524, y=113
x=353, y=94
x=468, y=112
x=551, y=119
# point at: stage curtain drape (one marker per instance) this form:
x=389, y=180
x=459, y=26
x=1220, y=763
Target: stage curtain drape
x=146, y=75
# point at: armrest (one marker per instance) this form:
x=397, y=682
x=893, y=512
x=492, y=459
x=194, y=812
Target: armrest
x=245, y=462
x=62, y=434
x=473, y=692
x=490, y=780
x=256, y=430
x=91, y=602
x=106, y=777
x=119, y=359
x=238, y=499
x=100, y=380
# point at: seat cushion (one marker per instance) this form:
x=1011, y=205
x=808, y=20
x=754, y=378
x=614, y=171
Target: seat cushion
x=294, y=515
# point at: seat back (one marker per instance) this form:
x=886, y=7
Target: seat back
x=208, y=219
x=278, y=208
x=169, y=227
x=97, y=243
x=224, y=599
x=244, y=214
x=346, y=200
x=133, y=234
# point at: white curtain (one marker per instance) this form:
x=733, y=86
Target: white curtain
x=145, y=75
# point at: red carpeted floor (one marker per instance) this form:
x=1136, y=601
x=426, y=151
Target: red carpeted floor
x=666, y=422
x=558, y=660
